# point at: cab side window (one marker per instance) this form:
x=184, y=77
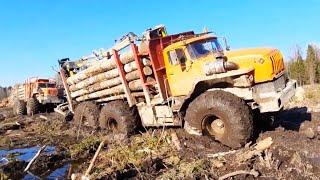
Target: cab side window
x=177, y=56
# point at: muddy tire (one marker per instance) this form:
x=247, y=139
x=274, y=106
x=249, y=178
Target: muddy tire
x=119, y=118
x=86, y=114
x=19, y=108
x=33, y=106
x=221, y=115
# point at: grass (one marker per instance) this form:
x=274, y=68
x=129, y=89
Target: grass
x=312, y=92
x=135, y=154
x=187, y=169
x=85, y=147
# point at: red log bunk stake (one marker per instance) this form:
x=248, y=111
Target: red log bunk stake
x=130, y=98
x=66, y=87
x=141, y=74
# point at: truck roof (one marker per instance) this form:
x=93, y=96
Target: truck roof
x=190, y=40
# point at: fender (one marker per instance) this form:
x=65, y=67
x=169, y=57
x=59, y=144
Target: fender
x=223, y=80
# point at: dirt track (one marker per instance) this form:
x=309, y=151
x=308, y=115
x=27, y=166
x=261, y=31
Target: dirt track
x=294, y=154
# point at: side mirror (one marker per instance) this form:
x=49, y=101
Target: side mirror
x=226, y=44
x=182, y=60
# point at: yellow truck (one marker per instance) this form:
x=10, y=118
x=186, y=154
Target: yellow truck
x=195, y=86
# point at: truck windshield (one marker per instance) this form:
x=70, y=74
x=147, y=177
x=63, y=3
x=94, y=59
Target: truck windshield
x=50, y=85
x=46, y=85
x=204, y=48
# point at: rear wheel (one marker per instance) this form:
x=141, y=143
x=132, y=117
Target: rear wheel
x=33, y=106
x=19, y=107
x=86, y=114
x=221, y=115
x=118, y=117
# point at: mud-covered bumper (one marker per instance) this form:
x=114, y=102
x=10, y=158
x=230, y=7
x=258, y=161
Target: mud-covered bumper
x=275, y=100
x=49, y=100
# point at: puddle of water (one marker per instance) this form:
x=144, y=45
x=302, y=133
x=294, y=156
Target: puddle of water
x=25, y=154
x=59, y=173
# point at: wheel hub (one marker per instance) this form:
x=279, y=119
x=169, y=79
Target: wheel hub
x=217, y=127
x=214, y=126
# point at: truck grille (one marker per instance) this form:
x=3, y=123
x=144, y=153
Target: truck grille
x=277, y=62
x=273, y=86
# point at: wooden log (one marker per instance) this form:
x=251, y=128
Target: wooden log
x=109, y=84
x=150, y=79
x=102, y=66
x=134, y=85
x=147, y=70
x=107, y=76
x=79, y=90
x=101, y=85
x=93, y=79
x=131, y=66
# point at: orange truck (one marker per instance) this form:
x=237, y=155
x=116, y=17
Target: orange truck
x=34, y=95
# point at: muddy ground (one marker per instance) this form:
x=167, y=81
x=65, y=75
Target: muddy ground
x=156, y=153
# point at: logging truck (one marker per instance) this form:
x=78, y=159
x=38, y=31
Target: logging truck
x=183, y=80
x=34, y=95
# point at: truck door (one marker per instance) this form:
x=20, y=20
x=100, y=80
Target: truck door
x=179, y=72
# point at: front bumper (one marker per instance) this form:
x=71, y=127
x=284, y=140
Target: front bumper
x=275, y=100
x=49, y=100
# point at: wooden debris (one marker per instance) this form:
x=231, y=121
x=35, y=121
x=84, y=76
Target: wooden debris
x=257, y=149
x=79, y=176
x=34, y=158
x=175, y=140
x=94, y=158
x=10, y=126
x=43, y=117
x=252, y=172
x=219, y=154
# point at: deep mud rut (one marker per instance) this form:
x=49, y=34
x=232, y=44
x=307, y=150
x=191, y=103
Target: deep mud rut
x=294, y=154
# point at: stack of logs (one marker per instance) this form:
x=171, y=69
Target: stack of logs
x=102, y=81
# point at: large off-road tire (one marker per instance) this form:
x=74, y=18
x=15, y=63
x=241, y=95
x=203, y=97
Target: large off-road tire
x=19, y=108
x=119, y=118
x=86, y=114
x=221, y=115
x=33, y=106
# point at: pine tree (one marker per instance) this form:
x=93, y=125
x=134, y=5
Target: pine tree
x=317, y=68
x=311, y=64
x=297, y=68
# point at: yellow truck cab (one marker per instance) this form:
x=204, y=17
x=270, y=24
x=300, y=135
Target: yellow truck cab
x=264, y=86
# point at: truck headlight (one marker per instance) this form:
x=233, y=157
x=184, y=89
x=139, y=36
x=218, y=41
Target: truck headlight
x=244, y=80
x=261, y=61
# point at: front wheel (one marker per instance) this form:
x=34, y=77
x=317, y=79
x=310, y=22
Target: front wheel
x=221, y=115
x=33, y=106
